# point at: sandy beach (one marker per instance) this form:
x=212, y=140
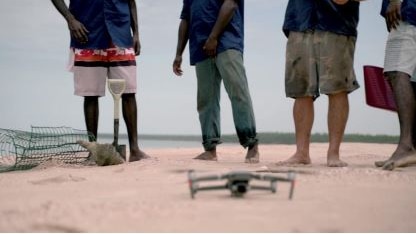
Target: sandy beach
x=153, y=195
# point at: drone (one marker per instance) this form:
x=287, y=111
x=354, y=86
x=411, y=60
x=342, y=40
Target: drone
x=238, y=182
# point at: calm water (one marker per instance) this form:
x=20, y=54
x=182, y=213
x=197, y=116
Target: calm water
x=167, y=144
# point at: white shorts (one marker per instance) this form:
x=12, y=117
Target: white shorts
x=401, y=50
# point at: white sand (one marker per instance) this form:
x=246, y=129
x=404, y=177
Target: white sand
x=153, y=195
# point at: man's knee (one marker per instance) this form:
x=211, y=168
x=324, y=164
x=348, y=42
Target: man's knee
x=90, y=100
x=128, y=95
x=393, y=76
x=128, y=98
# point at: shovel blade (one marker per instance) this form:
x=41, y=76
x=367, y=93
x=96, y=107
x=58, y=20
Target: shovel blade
x=121, y=149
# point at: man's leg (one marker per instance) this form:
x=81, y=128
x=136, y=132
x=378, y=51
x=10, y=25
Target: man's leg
x=404, y=94
x=230, y=65
x=129, y=108
x=414, y=118
x=303, y=115
x=338, y=111
x=208, y=105
x=89, y=82
x=406, y=109
x=399, y=65
x=337, y=79
x=127, y=70
x=91, y=112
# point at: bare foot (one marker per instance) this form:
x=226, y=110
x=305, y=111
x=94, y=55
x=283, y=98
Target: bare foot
x=253, y=155
x=333, y=160
x=336, y=163
x=297, y=158
x=397, y=156
x=404, y=161
x=136, y=155
x=210, y=155
x=389, y=165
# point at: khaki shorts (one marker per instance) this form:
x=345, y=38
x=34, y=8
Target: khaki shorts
x=319, y=62
x=92, y=67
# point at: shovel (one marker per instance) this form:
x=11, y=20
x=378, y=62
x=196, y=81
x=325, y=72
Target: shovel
x=116, y=88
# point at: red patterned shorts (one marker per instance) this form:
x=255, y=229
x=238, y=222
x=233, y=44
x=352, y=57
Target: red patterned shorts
x=92, y=67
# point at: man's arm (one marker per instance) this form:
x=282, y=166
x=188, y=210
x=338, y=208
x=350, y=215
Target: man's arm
x=224, y=17
x=134, y=26
x=183, y=36
x=393, y=14
x=76, y=28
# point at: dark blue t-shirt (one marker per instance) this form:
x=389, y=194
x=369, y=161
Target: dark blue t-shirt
x=300, y=16
x=339, y=19
x=408, y=10
x=324, y=15
x=201, y=16
x=106, y=20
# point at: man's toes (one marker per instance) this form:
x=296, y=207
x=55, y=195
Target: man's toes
x=252, y=160
x=380, y=163
x=337, y=164
x=389, y=166
x=206, y=156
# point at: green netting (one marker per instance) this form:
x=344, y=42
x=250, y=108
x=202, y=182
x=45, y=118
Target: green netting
x=20, y=150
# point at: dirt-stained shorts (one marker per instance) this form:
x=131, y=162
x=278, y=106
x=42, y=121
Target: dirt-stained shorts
x=319, y=62
x=92, y=67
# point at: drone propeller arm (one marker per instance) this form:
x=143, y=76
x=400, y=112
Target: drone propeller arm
x=273, y=179
x=292, y=188
x=212, y=187
x=258, y=187
x=290, y=177
x=207, y=178
x=192, y=177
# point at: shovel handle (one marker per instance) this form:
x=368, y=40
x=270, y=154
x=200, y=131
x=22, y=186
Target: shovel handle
x=116, y=124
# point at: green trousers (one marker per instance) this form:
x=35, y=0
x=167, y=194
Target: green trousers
x=228, y=67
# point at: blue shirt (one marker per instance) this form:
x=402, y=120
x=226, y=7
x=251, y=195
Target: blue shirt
x=201, y=16
x=408, y=10
x=323, y=15
x=300, y=16
x=106, y=20
x=339, y=19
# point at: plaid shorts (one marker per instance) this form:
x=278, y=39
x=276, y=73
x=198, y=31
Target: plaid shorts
x=319, y=62
x=92, y=67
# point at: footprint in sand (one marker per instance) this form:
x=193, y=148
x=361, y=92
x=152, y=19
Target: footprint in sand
x=58, y=180
x=54, y=228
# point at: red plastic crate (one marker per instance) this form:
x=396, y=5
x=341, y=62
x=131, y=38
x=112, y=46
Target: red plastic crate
x=378, y=92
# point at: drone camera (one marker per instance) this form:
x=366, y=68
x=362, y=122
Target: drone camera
x=238, y=187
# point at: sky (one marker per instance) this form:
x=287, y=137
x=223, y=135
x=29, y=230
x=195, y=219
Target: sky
x=36, y=89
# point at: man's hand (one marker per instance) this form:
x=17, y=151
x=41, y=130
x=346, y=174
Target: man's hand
x=136, y=44
x=78, y=31
x=393, y=14
x=177, y=65
x=210, y=47
x=224, y=18
x=342, y=2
